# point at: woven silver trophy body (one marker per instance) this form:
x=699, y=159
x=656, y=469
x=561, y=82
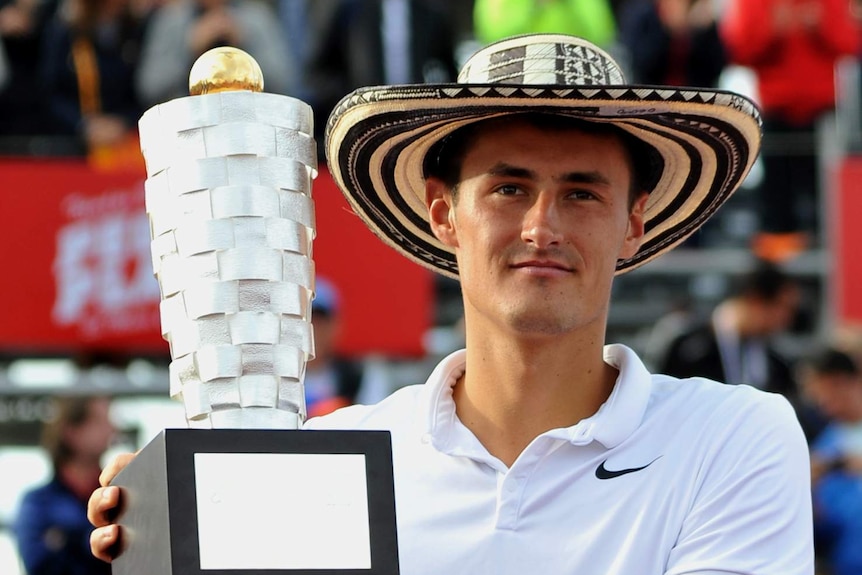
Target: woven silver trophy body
x=228, y=194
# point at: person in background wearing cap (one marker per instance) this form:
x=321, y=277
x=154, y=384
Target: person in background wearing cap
x=538, y=448
x=330, y=380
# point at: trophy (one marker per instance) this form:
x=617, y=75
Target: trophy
x=243, y=490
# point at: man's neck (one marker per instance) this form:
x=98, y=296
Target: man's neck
x=515, y=389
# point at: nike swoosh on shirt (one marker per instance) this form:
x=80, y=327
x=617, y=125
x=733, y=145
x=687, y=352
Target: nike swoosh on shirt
x=604, y=473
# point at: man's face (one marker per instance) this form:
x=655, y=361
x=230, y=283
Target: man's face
x=538, y=222
x=783, y=310
x=773, y=316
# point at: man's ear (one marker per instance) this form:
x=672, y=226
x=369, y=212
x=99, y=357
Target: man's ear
x=636, y=228
x=441, y=211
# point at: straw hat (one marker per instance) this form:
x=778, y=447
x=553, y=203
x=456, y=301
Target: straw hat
x=377, y=138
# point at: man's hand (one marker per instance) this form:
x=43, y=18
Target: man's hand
x=102, y=509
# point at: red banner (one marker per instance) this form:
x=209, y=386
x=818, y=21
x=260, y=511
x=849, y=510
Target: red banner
x=79, y=277
x=848, y=239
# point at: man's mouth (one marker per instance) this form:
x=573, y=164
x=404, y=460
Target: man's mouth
x=543, y=266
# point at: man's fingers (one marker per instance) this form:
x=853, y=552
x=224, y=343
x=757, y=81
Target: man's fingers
x=103, y=505
x=102, y=509
x=104, y=542
x=114, y=467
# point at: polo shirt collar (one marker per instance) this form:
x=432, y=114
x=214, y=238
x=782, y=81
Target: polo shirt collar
x=612, y=424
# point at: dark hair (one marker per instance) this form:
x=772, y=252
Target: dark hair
x=445, y=157
x=831, y=361
x=765, y=281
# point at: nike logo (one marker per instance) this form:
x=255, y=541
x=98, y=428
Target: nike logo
x=603, y=473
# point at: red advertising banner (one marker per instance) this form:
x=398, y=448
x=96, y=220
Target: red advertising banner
x=847, y=265
x=78, y=274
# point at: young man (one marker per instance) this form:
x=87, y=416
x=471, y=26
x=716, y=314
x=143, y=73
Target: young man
x=538, y=449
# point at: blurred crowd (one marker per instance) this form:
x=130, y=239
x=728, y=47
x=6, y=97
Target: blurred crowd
x=81, y=72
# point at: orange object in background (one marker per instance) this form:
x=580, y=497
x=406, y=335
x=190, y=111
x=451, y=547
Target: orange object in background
x=125, y=156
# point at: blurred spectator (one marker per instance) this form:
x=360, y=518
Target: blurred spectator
x=333, y=381
x=22, y=24
x=88, y=65
x=833, y=380
x=673, y=42
x=734, y=346
x=51, y=527
x=792, y=46
x=180, y=31
x=374, y=42
x=330, y=381
x=589, y=19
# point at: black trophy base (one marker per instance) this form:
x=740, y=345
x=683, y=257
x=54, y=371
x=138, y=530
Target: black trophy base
x=259, y=502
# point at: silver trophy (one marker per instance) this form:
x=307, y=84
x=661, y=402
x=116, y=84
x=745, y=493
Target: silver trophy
x=244, y=490
x=228, y=194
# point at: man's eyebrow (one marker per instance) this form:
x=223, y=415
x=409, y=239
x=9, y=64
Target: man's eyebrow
x=591, y=177
x=508, y=170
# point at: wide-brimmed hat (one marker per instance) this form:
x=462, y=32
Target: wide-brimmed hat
x=377, y=138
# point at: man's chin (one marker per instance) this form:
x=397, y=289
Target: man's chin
x=549, y=324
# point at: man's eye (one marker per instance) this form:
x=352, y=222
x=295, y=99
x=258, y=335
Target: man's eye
x=508, y=190
x=582, y=195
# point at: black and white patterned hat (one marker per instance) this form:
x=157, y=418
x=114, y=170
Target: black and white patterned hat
x=377, y=138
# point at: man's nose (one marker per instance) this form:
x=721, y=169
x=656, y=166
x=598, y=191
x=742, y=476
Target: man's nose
x=542, y=226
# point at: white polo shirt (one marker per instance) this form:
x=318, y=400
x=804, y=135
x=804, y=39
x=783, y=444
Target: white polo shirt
x=668, y=477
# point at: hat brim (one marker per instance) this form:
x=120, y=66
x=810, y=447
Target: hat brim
x=377, y=139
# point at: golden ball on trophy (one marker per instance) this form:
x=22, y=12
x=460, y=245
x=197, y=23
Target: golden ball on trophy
x=225, y=69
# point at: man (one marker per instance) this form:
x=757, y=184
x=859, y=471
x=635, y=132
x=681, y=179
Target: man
x=734, y=345
x=537, y=449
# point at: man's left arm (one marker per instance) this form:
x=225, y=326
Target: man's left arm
x=752, y=512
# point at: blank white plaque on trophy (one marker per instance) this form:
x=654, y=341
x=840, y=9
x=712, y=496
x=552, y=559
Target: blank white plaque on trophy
x=282, y=511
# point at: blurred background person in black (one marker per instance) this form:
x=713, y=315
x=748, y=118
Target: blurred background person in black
x=374, y=42
x=52, y=530
x=22, y=24
x=734, y=345
x=673, y=42
x=89, y=57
